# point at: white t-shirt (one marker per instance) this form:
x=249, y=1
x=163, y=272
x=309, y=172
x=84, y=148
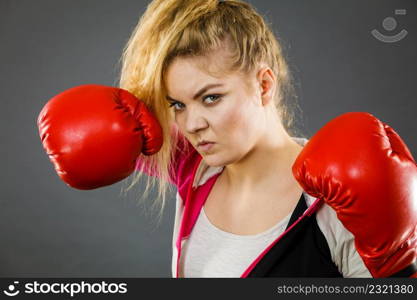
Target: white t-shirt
x=209, y=249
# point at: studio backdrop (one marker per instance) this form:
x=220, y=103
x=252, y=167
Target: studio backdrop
x=344, y=56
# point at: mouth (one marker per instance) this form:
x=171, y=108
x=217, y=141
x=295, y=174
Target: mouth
x=205, y=146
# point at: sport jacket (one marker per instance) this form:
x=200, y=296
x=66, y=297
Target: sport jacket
x=314, y=244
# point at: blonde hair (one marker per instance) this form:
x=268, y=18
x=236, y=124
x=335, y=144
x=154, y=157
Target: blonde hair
x=181, y=28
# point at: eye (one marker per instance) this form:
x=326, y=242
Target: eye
x=215, y=97
x=174, y=103
x=178, y=106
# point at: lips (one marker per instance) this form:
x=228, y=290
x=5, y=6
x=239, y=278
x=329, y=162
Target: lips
x=205, y=146
x=203, y=143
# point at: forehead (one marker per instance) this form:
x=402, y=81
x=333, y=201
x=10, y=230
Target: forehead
x=215, y=63
x=185, y=75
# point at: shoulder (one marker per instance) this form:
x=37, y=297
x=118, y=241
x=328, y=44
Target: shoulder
x=340, y=241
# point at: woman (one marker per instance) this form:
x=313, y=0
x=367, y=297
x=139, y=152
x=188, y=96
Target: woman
x=205, y=99
x=222, y=72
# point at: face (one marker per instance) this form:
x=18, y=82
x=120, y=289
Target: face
x=224, y=109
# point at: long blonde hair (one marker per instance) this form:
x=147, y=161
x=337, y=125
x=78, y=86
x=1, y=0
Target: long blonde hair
x=181, y=28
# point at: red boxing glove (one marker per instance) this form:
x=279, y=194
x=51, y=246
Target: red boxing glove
x=93, y=134
x=362, y=169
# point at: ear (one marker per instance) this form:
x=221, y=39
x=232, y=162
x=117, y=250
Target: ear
x=267, y=84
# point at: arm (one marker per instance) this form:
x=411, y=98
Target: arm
x=93, y=134
x=362, y=169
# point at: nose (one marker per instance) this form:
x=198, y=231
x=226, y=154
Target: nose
x=195, y=121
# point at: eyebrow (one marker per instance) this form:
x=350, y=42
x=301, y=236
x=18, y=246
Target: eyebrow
x=200, y=92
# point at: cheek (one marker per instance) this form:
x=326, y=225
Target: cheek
x=236, y=131
x=236, y=125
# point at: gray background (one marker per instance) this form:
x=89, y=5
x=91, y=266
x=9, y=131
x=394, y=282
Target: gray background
x=46, y=47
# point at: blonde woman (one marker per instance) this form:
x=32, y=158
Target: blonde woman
x=216, y=121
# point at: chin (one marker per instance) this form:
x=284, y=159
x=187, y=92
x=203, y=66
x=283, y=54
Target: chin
x=214, y=160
